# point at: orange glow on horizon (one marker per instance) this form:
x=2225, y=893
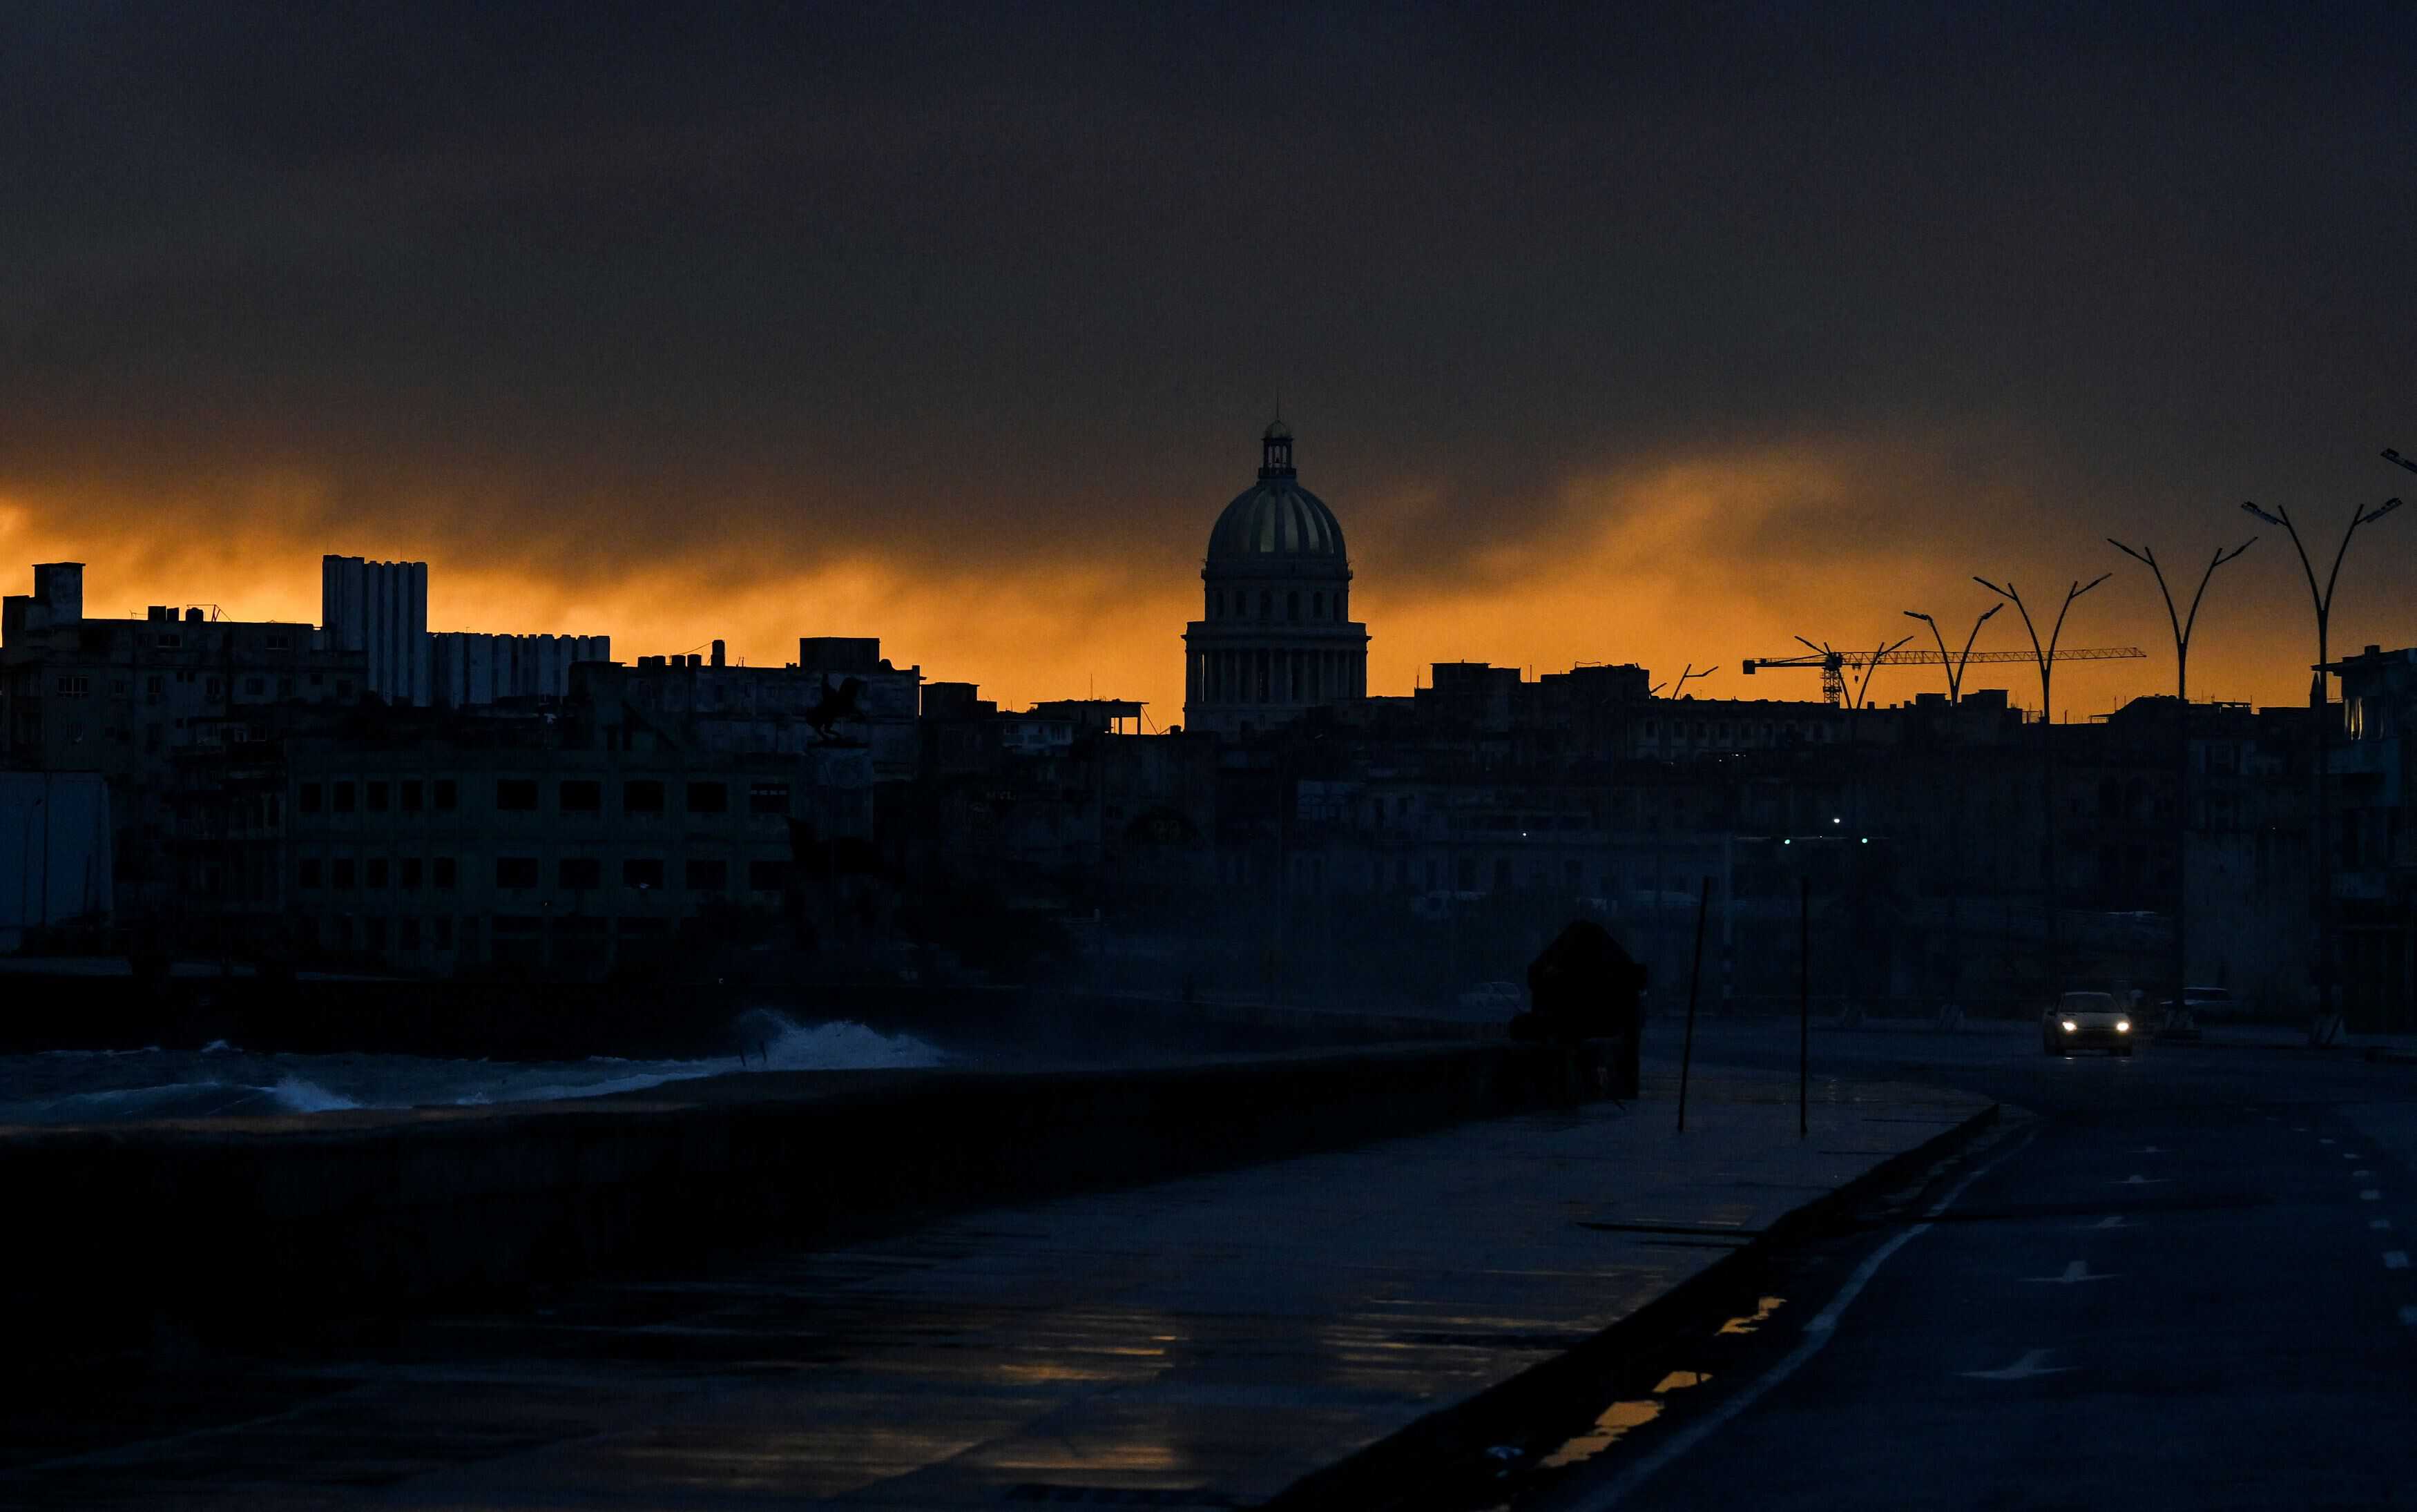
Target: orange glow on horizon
x=1704, y=560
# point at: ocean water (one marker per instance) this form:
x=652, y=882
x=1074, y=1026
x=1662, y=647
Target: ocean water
x=222, y=1081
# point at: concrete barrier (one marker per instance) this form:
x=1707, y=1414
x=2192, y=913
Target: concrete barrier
x=244, y=1232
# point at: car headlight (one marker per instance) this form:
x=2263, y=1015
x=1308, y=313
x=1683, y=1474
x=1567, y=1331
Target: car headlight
x=2122, y=1026
x=2069, y=1026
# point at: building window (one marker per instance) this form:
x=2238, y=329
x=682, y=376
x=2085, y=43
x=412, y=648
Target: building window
x=374, y=930
x=411, y=872
x=768, y=799
x=306, y=874
x=768, y=876
x=448, y=798
x=155, y=686
x=75, y=688
x=708, y=798
x=408, y=932
x=305, y=798
x=581, y=873
x=279, y=643
x=377, y=796
x=1267, y=604
x=411, y=792
x=440, y=871
x=581, y=795
x=254, y=686
x=642, y=871
x=708, y=876
x=1318, y=606
x=444, y=932
x=1292, y=605
x=516, y=795
x=340, y=871
x=516, y=872
x=377, y=872
x=344, y=796
x=644, y=796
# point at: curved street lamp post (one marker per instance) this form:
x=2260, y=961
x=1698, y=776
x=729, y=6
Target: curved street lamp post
x=1954, y=664
x=2328, y=1019
x=2046, y=657
x=2182, y=625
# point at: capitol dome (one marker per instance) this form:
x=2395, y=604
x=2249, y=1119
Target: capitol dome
x=1275, y=516
x=1275, y=635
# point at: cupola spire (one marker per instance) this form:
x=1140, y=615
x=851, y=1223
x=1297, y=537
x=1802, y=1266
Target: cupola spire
x=1275, y=450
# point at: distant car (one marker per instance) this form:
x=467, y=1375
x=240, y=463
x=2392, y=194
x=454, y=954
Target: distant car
x=2211, y=1003
x=1494, y=1000
x=2085, y=1021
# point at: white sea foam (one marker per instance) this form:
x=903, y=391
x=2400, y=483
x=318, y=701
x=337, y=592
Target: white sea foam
x=293, y=1095
x=236, y=1083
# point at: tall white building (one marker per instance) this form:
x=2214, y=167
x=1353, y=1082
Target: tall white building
x=380, y=608
x=471, y=668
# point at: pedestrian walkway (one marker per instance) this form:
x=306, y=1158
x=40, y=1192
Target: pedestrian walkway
x=1204, y=1342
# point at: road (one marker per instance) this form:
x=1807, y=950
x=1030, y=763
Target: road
x=2177, y=1279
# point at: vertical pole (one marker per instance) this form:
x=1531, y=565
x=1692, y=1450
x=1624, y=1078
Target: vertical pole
x=1695, y=980
x=1804, y=1007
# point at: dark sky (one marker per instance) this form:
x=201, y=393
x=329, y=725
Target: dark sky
x=1656, y=334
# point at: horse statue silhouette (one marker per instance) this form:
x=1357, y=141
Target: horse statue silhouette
x=835, y=705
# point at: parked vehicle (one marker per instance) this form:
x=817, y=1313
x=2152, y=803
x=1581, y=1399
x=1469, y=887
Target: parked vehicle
x=1494, y=1000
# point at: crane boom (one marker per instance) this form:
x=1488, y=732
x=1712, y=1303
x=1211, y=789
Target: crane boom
x=1833, y=663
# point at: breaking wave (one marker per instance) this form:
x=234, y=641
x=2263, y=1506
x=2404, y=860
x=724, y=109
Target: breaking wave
x=222, y=1081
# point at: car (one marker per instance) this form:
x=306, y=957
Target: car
x=2083, y=1020
x=1493, y=1000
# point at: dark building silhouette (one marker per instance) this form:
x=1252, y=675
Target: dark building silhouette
x=1276, y=636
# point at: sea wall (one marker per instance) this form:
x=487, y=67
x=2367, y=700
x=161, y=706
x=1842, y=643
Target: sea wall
x=103, y=1004
x=243, y=1231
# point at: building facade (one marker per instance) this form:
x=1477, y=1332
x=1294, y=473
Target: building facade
x=380, y=609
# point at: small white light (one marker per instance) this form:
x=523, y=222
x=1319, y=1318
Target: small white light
x=2122, y=1026
x=2069, y=1026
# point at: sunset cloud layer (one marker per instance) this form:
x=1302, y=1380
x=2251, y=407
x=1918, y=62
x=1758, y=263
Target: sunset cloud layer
x=1665, y=338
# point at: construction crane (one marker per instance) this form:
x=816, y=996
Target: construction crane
x=1833, y=663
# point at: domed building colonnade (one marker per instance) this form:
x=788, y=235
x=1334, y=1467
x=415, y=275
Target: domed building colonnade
x=1277, y=635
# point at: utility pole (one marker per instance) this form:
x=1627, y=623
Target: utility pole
x=2182, y=627
x=1954, y=664
x=2328, y=1020
x=2046, y=657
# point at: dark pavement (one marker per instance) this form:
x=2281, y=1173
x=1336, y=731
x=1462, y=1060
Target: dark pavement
x=2183, y=1282
x=1202, y=1342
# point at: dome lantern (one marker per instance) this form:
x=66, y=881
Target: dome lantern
x=1275, y=451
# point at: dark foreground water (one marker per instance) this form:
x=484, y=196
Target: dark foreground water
x=116, y=1086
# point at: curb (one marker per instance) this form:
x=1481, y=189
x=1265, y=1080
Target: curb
x=1400, y=1468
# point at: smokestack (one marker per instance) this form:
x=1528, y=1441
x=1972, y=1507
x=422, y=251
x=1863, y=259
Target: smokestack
x=717, y=653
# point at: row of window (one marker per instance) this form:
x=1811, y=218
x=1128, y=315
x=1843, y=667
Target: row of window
x=343, y=933
x=1242, y=602
x=520, y=795
x=155, y=686
x=576, y=873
